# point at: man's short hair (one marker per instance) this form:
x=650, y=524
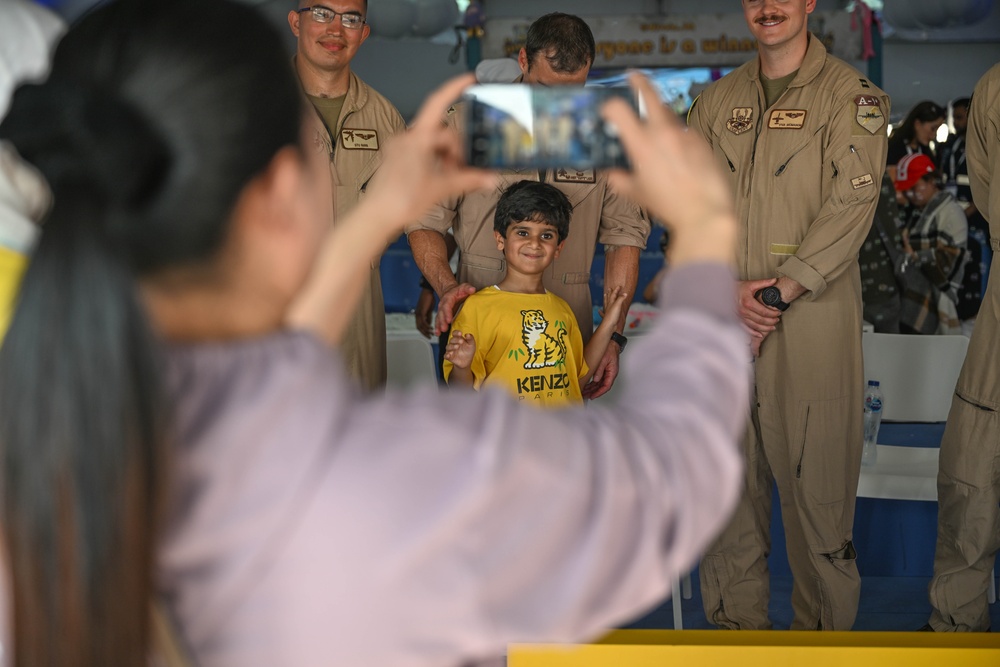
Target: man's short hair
x=299, y=4
x=566, y=41
x=962, y=102
x=534, y=201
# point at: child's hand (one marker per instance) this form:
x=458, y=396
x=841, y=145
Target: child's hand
x=613, y=304
x=460, y=349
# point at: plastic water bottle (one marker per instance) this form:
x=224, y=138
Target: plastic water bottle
x=873, y=418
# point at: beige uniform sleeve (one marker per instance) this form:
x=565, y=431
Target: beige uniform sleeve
x=443, y=215
x=697, y=121
x=855, y=159
x=983, y=140
x=623, y=222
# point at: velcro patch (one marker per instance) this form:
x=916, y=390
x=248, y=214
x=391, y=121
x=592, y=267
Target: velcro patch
x=784, y=248
x=862, y=181
x=787, y=119
x=359, y=140
x=741, y=121
x=574, y=176
x=868, y=113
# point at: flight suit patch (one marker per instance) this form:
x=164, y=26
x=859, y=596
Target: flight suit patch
x=359, y=140
x=784, y=248
x=862, y=181
x=321, y=142
x=741, y=121
x=869, y=113
x=574, y=176
x=787, y=119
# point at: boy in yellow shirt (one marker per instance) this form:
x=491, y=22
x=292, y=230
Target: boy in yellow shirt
x=516, y=334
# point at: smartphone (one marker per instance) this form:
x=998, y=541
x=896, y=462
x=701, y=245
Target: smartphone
x=518, y=126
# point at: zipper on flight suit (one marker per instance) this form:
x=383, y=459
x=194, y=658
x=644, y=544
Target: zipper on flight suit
x=791, y=157
x=802, y=452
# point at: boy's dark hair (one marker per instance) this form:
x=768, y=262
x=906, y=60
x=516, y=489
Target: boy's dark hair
x=566, y=41
x=538, y=202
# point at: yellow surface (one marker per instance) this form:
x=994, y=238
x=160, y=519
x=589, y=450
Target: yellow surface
x=717, y=648
x=12, y=266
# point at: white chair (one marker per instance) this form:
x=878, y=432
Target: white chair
x=917, y=376
x=410, y=359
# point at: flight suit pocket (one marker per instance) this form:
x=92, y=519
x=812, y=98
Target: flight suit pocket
x=575, y=278
x=825, y=465
x=970, y=452
x=855, y=181
x=483, y=263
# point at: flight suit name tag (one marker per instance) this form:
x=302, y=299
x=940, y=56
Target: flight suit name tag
x=359, y=140
x=787, y=119
x=574, y=176
x=741, y=121
x=862, y=181
x=869, y=113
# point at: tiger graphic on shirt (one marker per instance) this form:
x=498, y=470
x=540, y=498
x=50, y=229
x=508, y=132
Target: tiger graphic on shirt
x=544, y=350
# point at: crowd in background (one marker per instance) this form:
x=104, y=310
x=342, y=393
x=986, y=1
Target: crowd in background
x=926, y=260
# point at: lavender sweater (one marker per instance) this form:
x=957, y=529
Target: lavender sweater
x=310, y=526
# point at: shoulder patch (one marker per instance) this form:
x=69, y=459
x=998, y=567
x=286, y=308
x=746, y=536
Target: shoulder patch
x=359, y=140
x=574, y=176
x=868, y=113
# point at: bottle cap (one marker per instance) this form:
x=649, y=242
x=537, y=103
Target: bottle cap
x=873, y=383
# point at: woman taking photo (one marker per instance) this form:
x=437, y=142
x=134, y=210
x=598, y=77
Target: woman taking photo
x=177, y=430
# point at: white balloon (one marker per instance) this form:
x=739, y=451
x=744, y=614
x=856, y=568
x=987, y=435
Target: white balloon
x=391, y=18
x=434, y=16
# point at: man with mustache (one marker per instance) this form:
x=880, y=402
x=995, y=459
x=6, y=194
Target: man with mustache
x=802, y=136
x=350, y=126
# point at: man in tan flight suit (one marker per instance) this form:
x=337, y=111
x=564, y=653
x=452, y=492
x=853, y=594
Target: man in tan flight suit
x=969, y=475
x=803, y=138
x=351, y=125
x=559, y=49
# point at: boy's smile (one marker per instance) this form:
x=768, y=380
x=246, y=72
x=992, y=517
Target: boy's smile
x=529, y=247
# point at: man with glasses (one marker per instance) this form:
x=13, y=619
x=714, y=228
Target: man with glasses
x=351, y=125
x=802, y=137
x=559, y=50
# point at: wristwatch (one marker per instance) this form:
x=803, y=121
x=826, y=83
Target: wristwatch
x=620, y=339
x=771, y=296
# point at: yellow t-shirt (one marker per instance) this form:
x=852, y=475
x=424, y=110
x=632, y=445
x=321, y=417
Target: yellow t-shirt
x=529, y=344
x=12, y=265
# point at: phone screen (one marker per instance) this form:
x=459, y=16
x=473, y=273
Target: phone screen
x=518, y=126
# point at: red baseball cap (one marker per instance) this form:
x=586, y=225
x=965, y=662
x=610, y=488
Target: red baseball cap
x=910, y=169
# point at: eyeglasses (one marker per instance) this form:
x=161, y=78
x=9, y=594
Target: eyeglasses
x=321, y=14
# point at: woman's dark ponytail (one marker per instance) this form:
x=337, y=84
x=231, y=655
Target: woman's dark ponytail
x=82, y=478
x=154, y=119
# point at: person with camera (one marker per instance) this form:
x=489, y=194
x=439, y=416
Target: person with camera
x=559, y=50
x=801, y=136
x=178, y=431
